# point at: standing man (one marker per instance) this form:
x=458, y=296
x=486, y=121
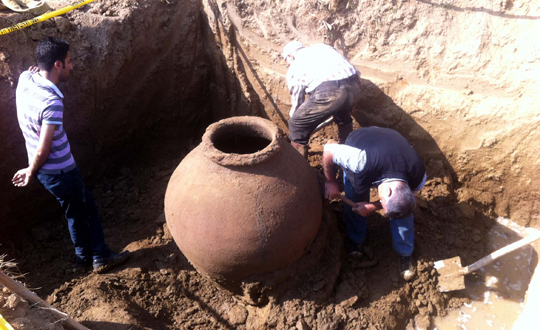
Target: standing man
x=382, y=158
x=332, y=84
x=40, y=112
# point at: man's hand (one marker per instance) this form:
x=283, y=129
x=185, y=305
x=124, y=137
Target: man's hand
x=33, y=69
x=365, y=208
x=22, y=177
x=331, y=190
x=362, y=209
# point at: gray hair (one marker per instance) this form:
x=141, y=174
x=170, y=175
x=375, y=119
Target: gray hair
x=401, y=202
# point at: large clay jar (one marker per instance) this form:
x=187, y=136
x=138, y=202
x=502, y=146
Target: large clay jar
x=243, y=202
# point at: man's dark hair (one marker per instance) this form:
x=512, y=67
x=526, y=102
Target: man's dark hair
x=50, y=50
x=401, y=203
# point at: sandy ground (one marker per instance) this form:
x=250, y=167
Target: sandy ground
x=150, y=76
x=158, y=289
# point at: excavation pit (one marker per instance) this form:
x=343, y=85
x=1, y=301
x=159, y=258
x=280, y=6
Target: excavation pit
x=137, y=105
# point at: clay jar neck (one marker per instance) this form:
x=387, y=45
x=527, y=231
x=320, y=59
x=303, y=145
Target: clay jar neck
x=241, y=141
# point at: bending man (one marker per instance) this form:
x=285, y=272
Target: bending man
x=332, y=84
x=382, y=158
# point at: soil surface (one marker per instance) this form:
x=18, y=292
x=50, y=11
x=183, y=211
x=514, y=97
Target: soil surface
x=458, y=79
x=158, y=289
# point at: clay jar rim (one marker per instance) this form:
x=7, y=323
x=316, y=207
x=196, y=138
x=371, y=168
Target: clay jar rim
x=253, y=126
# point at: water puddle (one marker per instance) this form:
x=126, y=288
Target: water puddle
x=497, y=291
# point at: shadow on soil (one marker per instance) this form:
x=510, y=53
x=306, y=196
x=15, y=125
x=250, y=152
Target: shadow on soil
x=508, y=6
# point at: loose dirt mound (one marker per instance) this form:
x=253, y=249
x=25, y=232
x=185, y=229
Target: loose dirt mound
x=158, y=289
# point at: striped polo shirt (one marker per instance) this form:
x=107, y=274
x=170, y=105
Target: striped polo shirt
x=39, y=102
x=313, y=66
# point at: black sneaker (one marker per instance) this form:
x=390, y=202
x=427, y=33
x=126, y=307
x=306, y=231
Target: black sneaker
x=101, y=265
x=406, y=268
x=83, y=263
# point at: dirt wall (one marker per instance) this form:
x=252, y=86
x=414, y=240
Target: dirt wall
x=145, y=75
x=458, y=78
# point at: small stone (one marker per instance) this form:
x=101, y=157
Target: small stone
x=191, y=310
x=319, y=285
x=301, y=325
x=489, y=142
x=345, y=295
x=422, y=322
x=477, y=238
x=161, y=218
x=4, y=56
x=421, y=202
x=237, y=315
x=63, y=24
x=467, y=210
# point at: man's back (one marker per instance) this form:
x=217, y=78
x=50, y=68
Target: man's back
x=319, y=63
x=388, y=155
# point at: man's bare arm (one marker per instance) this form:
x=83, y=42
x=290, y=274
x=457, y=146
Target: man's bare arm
x=365, y=208
x=330, y=172
x=23, y=176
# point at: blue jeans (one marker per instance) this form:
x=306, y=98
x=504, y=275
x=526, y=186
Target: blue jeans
x=402, y=229
x=81, y=213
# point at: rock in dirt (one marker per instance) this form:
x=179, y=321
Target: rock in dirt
x=63, y=24
x=4, y=56
x=237, y=315
x=301, y=325
x=345, y=295
x=421, y=322
x=327, y=322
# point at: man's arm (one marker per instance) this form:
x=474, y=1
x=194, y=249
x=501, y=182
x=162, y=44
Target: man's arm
x=354, y=160
x=23, y=176
x=330, y=171
x=366, y=208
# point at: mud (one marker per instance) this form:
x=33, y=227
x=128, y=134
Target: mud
x=457, y=79
x=497, y=290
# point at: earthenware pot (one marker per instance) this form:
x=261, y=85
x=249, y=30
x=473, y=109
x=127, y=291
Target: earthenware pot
x=243, y=202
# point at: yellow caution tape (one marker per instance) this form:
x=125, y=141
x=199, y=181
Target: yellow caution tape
x=4, y=325
x=43, y=18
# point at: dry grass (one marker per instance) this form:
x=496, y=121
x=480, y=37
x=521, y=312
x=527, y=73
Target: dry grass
x=10, y=268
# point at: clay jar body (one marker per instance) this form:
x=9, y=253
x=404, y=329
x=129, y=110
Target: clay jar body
x=243, y=202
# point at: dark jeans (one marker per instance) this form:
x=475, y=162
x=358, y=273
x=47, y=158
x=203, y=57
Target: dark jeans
x=331, y=98
x=81, y=213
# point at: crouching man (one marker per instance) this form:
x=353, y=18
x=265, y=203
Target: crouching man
x=382, y=158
